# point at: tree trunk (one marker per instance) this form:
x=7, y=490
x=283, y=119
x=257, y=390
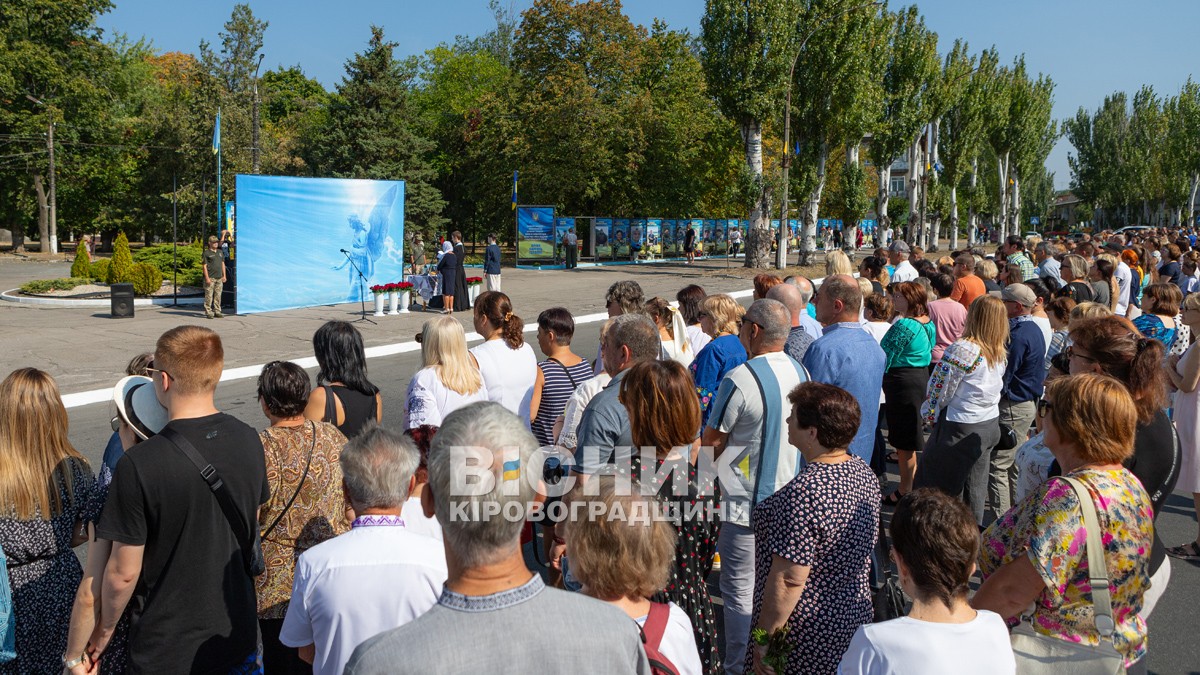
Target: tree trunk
x=1002, y=169
x=43, y=214
x=1017, y=223
x=759, y=235
x=885, y=185
x=914, y=190
x=850, y=230
x=953, y=217
x=1191, y=221
x=808, y=236
x=972, y=217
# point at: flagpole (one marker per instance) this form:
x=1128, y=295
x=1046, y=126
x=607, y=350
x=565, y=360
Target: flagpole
x=217, y=151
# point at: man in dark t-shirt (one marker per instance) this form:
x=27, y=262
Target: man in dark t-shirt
x=175, y=559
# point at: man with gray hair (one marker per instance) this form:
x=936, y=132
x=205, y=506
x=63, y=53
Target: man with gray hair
x=798, y=339
x=1048, y=266
x=377, y=576
x=494, y=613
x=748, y=420
x=848, y=357
x=604, y=427
x=807, y=319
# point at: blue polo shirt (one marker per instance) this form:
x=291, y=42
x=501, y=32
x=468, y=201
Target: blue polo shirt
x=848, y=357
x=1026, y=372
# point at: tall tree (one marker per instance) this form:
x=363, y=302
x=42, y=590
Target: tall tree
x=748, y=48
x=1035, y=132
x=960, y=137
x=371, y=133
x=910, y=67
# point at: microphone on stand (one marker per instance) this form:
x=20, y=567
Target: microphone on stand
x=343, y=250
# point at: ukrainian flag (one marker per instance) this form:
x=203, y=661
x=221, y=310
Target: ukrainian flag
x=217, y=134
x=514, y=194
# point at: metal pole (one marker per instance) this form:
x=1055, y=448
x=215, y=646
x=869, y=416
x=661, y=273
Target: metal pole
x=254, y=149
x=175, y=238
x=53, y=191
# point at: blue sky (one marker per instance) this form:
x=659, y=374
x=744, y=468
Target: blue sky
x=1090, y=48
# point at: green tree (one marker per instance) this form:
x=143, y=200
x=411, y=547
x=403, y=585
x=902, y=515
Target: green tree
x=960, y=136
x=911, y=65
x=81, y=267
x=371, y=133
x=748, y=49
x=121, y=269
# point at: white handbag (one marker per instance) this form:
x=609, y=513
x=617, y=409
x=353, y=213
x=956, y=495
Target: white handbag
x=1039, y=654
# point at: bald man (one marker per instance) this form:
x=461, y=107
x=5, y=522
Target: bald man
x=808, y=319
x=798, y=338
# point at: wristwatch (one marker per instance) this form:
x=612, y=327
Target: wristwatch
x=69, y=664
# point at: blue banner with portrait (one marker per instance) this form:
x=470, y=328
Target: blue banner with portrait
x=535, y=232
x=602, y=231
x=654, y=236
x=303, y=241
x=621, y=239
x=667, y=238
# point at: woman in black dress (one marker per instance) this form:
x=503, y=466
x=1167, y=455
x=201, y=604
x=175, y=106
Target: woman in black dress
x=462, y=295
x=48, y=490
x=448, y=268
x=664, y=414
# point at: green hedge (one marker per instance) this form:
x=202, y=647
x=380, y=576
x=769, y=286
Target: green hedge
x=121, y=269
x=99, y=269
x=82, y=267
x=47, y=285
x=146, y=278
x=188, y=262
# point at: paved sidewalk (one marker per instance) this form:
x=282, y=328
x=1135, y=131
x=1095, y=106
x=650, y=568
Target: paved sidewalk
x=84, y=348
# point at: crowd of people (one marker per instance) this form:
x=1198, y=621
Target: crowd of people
x=1002, y=386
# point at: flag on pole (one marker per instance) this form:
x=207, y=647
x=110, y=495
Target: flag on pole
x=514, y=195
x=217, y=134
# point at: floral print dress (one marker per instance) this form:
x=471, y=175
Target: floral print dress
x=1048, y=527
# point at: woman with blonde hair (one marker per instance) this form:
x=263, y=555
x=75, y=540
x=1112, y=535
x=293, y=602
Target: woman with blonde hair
x=1087, y=310
x=47, y=488
x=447, y=380
x=1035, y=553
x=1074, y=272
x=627, y=562
x=664, y=416
x=720, y=317
x=962, y=405
x=986, y=269
x=837, y=262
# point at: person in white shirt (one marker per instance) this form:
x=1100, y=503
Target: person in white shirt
x=1122, y=274
x=376, y=577
x=962, y=403
x=624, y=561
x=447, y=381
x=412, y=512
x=898, y=257
x=935, y=542
x=506, y=361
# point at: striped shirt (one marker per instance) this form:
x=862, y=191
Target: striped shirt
x=751, y=407
x=558, y=383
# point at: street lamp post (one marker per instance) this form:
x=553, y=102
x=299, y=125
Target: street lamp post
x=781, y=253
x=254, y=143
x=52, y=207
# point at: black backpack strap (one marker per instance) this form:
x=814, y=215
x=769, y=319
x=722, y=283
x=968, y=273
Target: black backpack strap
x=209, y=473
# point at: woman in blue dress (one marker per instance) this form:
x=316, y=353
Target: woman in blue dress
x=1160, y=318
x=720, y=317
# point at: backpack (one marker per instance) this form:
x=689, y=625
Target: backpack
x=652, y=635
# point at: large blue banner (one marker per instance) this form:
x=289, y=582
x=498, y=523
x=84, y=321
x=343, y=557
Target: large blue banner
x=293, y=232
x=621, y=239
x=535, y=232
x=668, y=238
x=654, y=236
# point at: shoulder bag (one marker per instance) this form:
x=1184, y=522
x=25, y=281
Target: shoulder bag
x=299, y=485
x=1039, y=654
x=248, y=540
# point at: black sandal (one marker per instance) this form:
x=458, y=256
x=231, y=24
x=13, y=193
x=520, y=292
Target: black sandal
x=893, y=499
x=1188, y=551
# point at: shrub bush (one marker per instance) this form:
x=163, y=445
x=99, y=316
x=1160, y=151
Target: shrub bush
x=99, y=269
x=147, y=279
x=163, y=257
x=47, y=285
x=121, y=269
x=82, y=267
